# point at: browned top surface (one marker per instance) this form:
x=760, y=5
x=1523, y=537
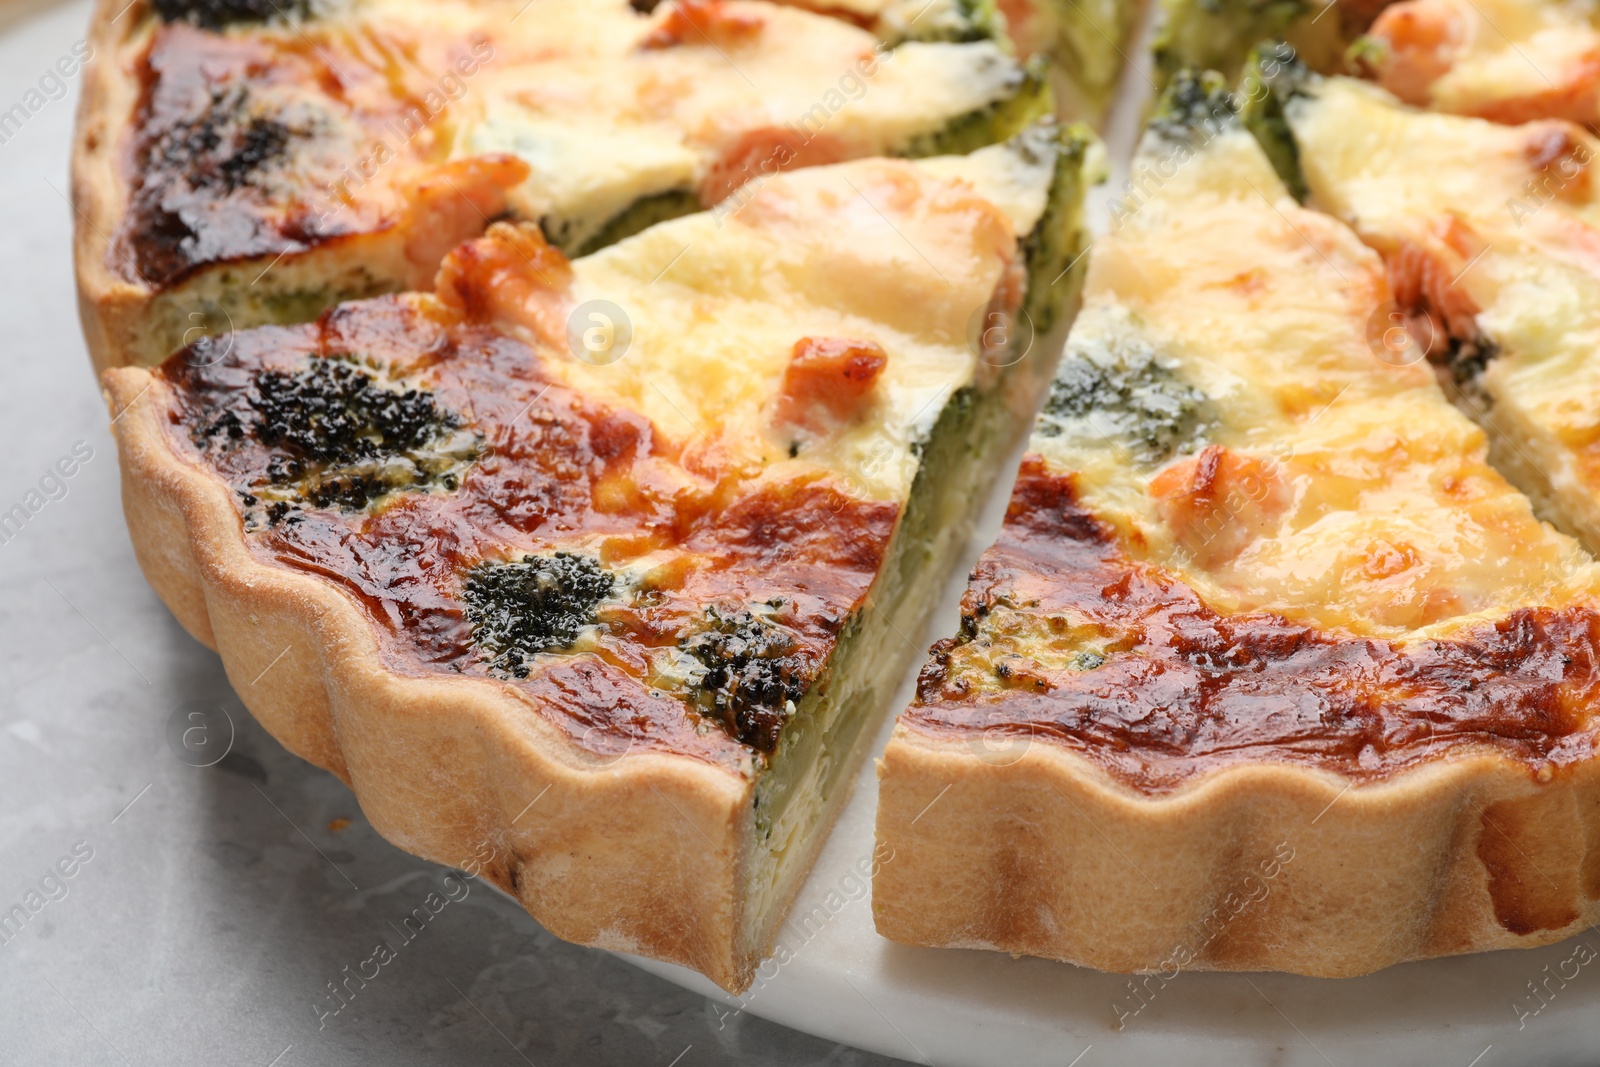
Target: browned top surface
x=257, y=144
x=1183, y=689
x=556, y=470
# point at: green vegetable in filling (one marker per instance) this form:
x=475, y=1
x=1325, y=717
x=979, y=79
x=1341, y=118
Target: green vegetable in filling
x=752, y=675
x=535, y=604
x=341, y=438
x=1118, y=388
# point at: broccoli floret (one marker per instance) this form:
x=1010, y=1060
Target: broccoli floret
x=1086, y=661
x=224, y=147
x=1216, y=34
x=1116, y=386
x=1273, y=75
x=334, y=412
x=943, y=20
x=535, y=604
x=219, y=14
x=1194, y=109
x=340, y=438
x=752, y=675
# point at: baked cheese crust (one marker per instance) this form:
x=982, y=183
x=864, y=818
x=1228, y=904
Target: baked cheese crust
x=1489, y=234
x=231, y=173
x=662, y=568
x=1259, y=596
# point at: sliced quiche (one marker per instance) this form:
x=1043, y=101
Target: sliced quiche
x=1491, y=237
x=240, y=163
x=601, y=571
x=1270, y=668
x=1508, y=61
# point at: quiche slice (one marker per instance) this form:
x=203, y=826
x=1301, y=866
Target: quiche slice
x=1269, y=667
x=1508, y=61
x=1085, y=38
x=599, y=573
x=1491, y=237
x=240, y=163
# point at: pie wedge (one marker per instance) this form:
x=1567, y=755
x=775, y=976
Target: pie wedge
x=240, y=163
x=1491, y=238
x=1269, y=668
x=599, y=573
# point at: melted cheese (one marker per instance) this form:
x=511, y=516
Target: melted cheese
x=716, y=304
x=1350, y=493
x=1525, y=255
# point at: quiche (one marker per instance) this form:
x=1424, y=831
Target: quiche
x=1508, y=61
x=241, y=162
x=1269, y=668
x=1491, y=238
x=599, y=572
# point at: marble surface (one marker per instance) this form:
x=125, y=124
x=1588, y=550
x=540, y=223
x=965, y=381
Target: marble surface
x=217, y=903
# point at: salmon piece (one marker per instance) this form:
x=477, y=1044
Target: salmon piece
x=1425, y=274
x=1560, y=161
x=1423, y=39
x=828, y=380
x=1575, y=96
x=454, y=203
x=511, y=276
x=695, y=22
x=1218, y=502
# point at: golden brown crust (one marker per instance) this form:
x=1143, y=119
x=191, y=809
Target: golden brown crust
x=1029, y=848
x=109, y=306
x=456, y=770
x=1177, y=688
x=1347, y=807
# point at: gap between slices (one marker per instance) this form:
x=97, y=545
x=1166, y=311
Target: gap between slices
x=672, y=577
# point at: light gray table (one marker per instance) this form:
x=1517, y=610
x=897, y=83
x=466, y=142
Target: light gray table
x=217, y=903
